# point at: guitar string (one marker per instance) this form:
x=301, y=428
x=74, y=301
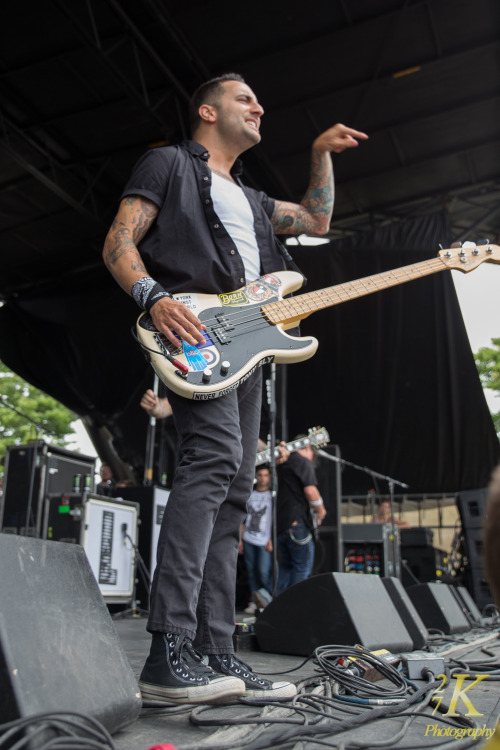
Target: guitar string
x=340, y=293
x=255, y=315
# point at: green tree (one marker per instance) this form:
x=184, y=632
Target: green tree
x=488, y=366
x=15, y=429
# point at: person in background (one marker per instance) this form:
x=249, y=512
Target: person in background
x=155, y=406
x=383, y=515
x=256, y=542
x=107, y=483
x=300, y=509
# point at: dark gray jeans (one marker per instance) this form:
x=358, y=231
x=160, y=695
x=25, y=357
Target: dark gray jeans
x=194, y=583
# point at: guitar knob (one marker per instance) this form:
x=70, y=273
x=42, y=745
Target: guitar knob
x=224, y=368
x=207, y=374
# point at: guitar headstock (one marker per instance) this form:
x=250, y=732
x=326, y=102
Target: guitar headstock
x=469, y=256
x=316, y=436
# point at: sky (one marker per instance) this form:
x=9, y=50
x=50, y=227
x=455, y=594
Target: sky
x=478, y=293
x=479, y=296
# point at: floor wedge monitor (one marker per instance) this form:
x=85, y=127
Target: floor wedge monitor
x=332, y=608
x=438, y=608
x=406, y=610
x=59, y=650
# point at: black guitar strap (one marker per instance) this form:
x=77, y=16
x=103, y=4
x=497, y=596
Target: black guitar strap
x=289, y=261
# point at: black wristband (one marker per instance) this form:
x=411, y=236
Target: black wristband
x=156, y=293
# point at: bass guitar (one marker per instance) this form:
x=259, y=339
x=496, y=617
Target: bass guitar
x=247, y=328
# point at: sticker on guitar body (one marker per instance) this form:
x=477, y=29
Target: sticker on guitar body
x=257, y=291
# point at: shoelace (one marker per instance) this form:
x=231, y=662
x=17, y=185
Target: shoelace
x=185, y=652
x=238, y=665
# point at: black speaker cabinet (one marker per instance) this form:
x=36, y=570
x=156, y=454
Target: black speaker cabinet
x=478, y=586
x=438, y=607
x=332, y=608
x=59, y=650
x=32, y=472
x=472, y=508
x=406, y=610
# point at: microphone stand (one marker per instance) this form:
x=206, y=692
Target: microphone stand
x=391, y=482
x=271, y=399
x=39, y=427
x=150, y=443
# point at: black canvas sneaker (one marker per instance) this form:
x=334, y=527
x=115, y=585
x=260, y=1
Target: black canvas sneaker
x=175, y=673
x=255, y=686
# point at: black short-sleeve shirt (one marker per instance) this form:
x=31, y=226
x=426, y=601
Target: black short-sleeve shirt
x=291, y=504
x=187, y=249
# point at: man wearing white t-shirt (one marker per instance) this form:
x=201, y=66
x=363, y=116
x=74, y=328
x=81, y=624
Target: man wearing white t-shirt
x=188, y=224
x=257, y=544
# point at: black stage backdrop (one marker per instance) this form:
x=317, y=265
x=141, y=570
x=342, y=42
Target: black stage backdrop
x=393, y=380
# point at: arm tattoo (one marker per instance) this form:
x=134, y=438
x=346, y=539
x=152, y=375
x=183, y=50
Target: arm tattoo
x=312, y=215
x=135, y=218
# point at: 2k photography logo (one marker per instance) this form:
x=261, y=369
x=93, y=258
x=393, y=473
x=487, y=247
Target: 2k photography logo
x=459, y=700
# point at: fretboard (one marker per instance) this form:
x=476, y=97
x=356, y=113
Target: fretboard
x=297, y=308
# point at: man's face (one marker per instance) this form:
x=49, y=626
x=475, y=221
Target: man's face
x=263, y=479
x=238, y=114
x=106, y=473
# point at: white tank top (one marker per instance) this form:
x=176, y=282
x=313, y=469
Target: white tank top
x=233, y=209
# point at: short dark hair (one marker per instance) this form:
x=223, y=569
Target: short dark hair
x=208, y=93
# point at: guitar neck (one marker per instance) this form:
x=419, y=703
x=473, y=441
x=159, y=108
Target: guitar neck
x=264, y=457
x=296, y=308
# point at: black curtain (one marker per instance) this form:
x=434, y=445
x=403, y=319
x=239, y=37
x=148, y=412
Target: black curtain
x=394, y=379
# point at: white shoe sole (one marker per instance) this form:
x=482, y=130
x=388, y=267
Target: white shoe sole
x=222, y=690
x=280, y=691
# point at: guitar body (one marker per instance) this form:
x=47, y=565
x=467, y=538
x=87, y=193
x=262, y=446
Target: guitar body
x=239, y=338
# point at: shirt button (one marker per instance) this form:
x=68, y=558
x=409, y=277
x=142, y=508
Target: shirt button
x=207, y=200
x=233, y=252
x=216, y=226
x=242, y=281
x=205, y=178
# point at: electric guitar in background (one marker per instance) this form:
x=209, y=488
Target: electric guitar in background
x=246, y=328
x=316, y=436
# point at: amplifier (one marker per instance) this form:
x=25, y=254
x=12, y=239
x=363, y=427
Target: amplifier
x=371, y=548
x=31, y=473
x=101, y=526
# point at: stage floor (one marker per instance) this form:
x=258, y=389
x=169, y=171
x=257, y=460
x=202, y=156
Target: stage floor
x=157, y=726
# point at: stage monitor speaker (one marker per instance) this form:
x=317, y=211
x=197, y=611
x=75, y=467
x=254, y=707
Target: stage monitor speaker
x=332, y=608
x=438, y=607
x=59, y=650
x=467, y=605
x=406, y=610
